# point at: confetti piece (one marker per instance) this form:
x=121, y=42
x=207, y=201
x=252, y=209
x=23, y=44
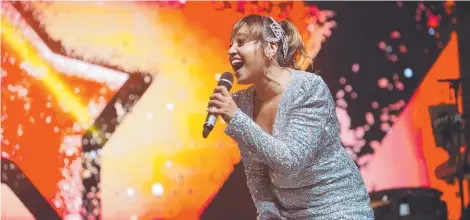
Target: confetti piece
x=393, y=58
x=370, y=118
x=375, y=144
x=399, y=86
x=395, y=34
x=385, y=126
x=374, y=105
x=382, y=45
x=360, y=132
x=341, y=103
x=340, y=94
x=383, y=82
x=384, y=117
x=403, y=48
x=354, y=95
x=355, y=68
x=399, y=4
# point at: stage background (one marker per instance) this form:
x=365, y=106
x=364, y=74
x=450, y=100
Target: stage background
x=111, y=96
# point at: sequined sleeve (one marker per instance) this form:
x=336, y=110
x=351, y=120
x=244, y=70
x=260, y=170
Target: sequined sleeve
x=290, y=151
x=259, y=185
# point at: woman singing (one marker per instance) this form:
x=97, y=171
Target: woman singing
x=287, y=129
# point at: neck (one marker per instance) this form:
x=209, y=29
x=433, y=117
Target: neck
x=272, y=83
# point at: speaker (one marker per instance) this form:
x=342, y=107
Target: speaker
x=409, y=204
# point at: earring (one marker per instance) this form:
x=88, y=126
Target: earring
x=268, y=52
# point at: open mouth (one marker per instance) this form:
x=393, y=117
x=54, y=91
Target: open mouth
x=237, y=64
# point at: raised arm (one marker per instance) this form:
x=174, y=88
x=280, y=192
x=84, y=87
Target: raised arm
x=295, y=146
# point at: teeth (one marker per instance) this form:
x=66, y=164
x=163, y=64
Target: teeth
x=236, y=62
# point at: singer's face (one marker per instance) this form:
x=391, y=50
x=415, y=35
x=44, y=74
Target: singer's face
x=246, y=58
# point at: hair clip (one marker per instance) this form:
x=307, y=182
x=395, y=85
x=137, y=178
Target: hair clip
x=279, y=35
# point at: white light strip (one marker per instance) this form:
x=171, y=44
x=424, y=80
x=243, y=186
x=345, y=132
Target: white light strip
x=68, y=66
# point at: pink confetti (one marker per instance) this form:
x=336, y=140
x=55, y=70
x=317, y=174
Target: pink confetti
x=418, y=17
x=374, y=105
x=342, y=80
x=341, y=103
x=364, y=160
x=433, y=20
x=360, y=132
x=393, y=58
x=399, y=4
x=314, y=10
x=385, y=126
x=370, y=118
x=401, y=103
x=403, y=48
x=399, y=86
x=421, y=6
x=354, y=95
x=384, y=117
x=395, y=34
x=383, y=82
x=440, y=44
x=374, y=144
x=355, y=68
x=348, y=88
x=5, y=155
x=340, y=94
x=396, y=76
x=382, y=45
x=390, y=87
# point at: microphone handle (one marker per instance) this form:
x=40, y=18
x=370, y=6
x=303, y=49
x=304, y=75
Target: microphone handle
x=210, y=123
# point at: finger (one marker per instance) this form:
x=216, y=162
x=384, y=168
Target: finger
x=214, y=111
x=217, y=96
x=216, y=103
x=222, y=89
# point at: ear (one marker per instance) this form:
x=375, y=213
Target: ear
x=271, y=49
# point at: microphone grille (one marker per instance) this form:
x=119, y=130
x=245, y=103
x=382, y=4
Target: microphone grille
x=226, y=79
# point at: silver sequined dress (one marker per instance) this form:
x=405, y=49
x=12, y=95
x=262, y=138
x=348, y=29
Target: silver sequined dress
x=301, y=171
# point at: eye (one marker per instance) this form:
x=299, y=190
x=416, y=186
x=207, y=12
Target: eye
x=240, y=42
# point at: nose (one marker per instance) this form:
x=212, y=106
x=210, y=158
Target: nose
x=232, y=50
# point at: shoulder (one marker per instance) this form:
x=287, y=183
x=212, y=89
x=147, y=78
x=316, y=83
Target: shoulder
x=309, y=83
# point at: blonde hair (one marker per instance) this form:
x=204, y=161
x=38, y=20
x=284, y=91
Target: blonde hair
x=258, y=29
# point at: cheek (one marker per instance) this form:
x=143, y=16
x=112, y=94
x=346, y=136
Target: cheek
x=255, y=60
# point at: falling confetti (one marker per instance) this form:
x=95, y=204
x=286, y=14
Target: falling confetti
x=355, y=67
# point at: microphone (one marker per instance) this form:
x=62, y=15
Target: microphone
x=225, y=80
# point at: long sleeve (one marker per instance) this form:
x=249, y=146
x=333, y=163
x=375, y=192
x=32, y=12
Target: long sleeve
x=257, y=177
x=291, y=150
x=260, y=189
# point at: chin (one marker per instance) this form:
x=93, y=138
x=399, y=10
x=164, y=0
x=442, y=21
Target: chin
x=243, y=80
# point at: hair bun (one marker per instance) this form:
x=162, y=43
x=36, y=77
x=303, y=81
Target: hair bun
x=295, y=44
